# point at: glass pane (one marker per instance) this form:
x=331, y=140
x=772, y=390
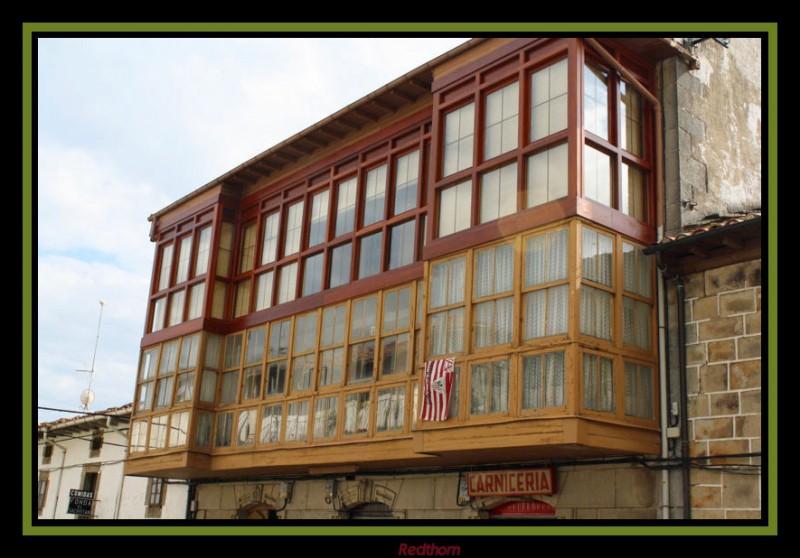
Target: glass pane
x=302, y=372
x=331, y=366
x=498, y=193
x=252, y=383
x=595, y=100
x=394, y=351
x=279, y=339
x=312, y=275
x=362, y=362
x=547, y=175
x=208, y=386
x=224, y=430
x=595, y=312
x=401, y=251
x=196, y=299
x=597, y=175
x=203, y=251
x=305, y=333
x=147, y=368
x=638, y=391
x=455, y=208
x=246, y=428
x=169, y=358
x=346, y=207
x=271, y=424
x=333, y=325
x=264, y=287
x=369, y=259
x=229, y=388
x=287, y=288
x=630, y=118
x=502, y=107
x=549, y=100
x=248, y=249
x=269, y=249
x=233, y=350
x=204, y=423
x=598, y=257
x=356, y=413
x=458, y=139
x=185, y=388
x=294, y=229
x=297, y=421
x=317, y=231
x=325, y=416
x=165, y=268
x=632, y=192
x=374, y=195
x=406, y=182
x=184, y=256
x=340, y=265
x=276, y=378
x=391, y=409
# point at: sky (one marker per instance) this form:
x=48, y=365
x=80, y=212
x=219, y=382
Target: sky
x=128, y=125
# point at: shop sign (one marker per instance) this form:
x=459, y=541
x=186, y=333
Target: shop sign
x=80, y=502
x=520, y=482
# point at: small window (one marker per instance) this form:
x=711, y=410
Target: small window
x=47, y=454
x=498, y=193
x=375, y=195
x=489, y=388
x=455, y=208
x=502, y=108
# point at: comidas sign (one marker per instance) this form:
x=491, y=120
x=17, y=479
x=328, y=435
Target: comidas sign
x=80, y=502
x=522, y=482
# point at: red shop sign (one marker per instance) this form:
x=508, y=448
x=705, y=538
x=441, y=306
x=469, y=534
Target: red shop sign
x=521, y=482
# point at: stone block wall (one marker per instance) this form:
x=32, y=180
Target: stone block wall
x=599, y=491
x=723, y=350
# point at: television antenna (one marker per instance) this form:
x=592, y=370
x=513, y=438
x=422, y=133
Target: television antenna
x=87, y=395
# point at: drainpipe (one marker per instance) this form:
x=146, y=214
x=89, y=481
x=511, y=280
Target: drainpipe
x=60, y=469
x=684, y=420
x=659, y=175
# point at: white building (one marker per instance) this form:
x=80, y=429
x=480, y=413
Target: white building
x=87, y=453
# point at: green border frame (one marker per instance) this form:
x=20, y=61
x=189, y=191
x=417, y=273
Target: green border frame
x=770, y=29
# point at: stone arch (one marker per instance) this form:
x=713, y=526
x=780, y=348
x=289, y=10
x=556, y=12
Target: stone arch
x=257, y=511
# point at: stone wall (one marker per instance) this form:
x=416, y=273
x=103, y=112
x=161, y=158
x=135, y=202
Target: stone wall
x=712, y=133
x=723, y=351
x=604, y=491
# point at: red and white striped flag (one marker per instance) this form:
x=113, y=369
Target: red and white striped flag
x=436, y=392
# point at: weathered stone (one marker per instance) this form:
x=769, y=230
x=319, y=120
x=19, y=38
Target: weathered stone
x=706, y=497
x=713, y=429
x=688, y=313
x=754, y=274
x=208, y=496
x=693, y=379
x=748, y=347
x=698, y=449
x=723, y=403
x=694, y=286
x=691, y=333
x=758, y=299
x=722, y=327
x=738, y=302
x=445, y=490
x=742, y=514
x=636, y=488
x=721, y=449
x=713, y=377
x=705, y=309
x=751, y=401
x=586, y=489
x=696, y=354
x=706, y=477
x=698, y=405
x=416, y=494
x=720, y=351
x=746, y=374
x=752, y=323
x=707, y=514
x=726, y=278
x=741, y=491
x=228, y=497
x=627, y=513
x=748, y=426
x=582, y=513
